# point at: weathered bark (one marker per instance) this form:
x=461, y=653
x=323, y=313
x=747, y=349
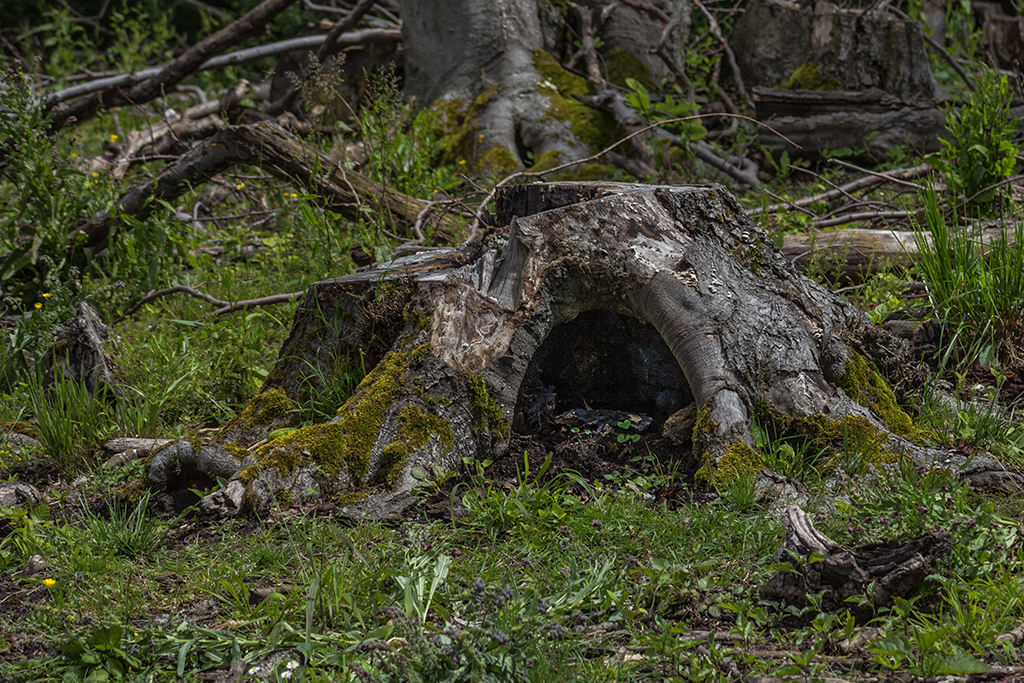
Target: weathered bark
x=489, y=68
x=454, y=336
x=277, y=152
x=879, y=571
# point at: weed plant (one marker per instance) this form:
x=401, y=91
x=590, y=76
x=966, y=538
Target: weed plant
x=975, y=289
x=981, y=152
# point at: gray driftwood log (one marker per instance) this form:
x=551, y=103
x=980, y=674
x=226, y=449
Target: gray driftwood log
x=451, y=340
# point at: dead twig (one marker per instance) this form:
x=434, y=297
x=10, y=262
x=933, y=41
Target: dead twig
x=871, y=180
x=225, y=306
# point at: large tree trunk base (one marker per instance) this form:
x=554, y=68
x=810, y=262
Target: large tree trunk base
x=598, y=296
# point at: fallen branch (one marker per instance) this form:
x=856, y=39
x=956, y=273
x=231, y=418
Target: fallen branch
x=277, y=152
x=249, y=26
x=192, y=123
x=231, y=59
x=872, y=180
x=225, y=306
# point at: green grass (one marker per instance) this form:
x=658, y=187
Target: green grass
x=548, y=578
x=542, y=600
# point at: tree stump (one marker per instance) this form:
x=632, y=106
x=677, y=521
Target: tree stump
x=712, y=312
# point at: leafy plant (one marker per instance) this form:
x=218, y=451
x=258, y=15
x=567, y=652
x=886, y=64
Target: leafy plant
x=981, y=151
x=99, y=655
x=669, y=108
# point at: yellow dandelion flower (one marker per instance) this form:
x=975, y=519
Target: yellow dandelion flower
x=462, y=162
x=95, y=174
x=49, y=582
x=47, y=295
x=239, y=186
x=74, y=155
x=294, y=195
x=38, y=305
x=481, y=137
x=113, y=137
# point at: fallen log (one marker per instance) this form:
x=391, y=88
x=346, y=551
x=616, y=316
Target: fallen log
x=676, y=285
x=873, y=120
x=279, y=153
x=855, y=253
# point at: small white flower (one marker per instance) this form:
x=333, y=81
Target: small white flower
x=254, y=670
x=169, y=113
x=286, y=674
x=292, y=665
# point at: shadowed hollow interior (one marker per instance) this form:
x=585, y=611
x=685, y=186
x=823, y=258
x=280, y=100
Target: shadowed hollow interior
x=603, y=360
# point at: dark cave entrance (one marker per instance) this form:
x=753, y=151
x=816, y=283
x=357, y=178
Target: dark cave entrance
x=601, y=360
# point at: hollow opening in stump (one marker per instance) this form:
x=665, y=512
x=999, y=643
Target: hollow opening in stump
x=602, y=360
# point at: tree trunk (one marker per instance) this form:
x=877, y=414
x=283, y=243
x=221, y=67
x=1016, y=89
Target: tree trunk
x=692, y=298
x=492, y=70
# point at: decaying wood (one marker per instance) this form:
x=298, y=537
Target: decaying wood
x=277, y=152
x=879, y=571
x=855, y=253
x=250, y=25
x=142, y=446
x=80, y=354
x=451, y=335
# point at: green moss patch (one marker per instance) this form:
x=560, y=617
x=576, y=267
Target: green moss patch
x=850, y=433
x=808, y=76
x=346, y=443
x=703, y=424
x=415, y=428
x=864, y=384
x=487, y=414
x=598, y=129
x=738, y=459
x=623, y=64
x=267, y=407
